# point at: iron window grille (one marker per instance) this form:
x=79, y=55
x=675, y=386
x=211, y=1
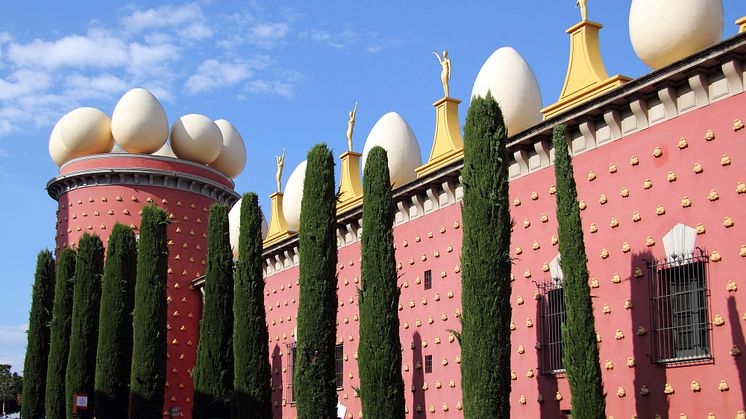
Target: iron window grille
x=339, y=366
x=552, y=316
x=428, y=279
x=679, y=316
x=428, y=364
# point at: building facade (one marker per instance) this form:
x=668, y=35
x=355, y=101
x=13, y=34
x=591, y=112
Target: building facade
x=661, y=183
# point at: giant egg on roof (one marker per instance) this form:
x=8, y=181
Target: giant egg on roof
x=232, y=158
x=57, y=150
x=665, y=31
x=513, y=85
x=139, y=123
x=86, y=131
x=195, y=137
x=234, y=222
x=396, y=137
x=294, y=195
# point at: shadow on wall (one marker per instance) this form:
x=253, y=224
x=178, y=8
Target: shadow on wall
x=277, y=383
x=418, y=379
x=549, y=408
x=736, y=331
x=649, y=378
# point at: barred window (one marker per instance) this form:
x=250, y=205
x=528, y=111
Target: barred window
x=339, y=365
x=678, y=308
x=428, y=364
x=428, y=279
x=552, y=315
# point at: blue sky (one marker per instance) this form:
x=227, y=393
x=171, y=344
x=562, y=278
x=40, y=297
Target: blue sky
x=284, y=73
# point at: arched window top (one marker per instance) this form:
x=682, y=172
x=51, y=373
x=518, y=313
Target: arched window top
x=679, y=240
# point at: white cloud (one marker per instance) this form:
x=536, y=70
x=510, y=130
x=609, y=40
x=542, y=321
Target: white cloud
x=213, y=74
x=271, y=87
x=13, y=345
x=381, y=44
x=23, y=83
x=188, y=20
x=97, y=49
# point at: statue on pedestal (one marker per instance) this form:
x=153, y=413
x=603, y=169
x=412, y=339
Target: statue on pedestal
x=351, y=127
x=280, y=165
x=445, y=73
x=583, y=4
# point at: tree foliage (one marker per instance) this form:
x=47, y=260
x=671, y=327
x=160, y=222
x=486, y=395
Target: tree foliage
x=37, y=350
x=59, y=343
x=114, y=353
x=580, y=351
x=11, y=385
x=148, y=378
x=379, y=350
x=251, y=384
x=485, y=298
x=213, y=375
x=81, y=360
x=315, y=388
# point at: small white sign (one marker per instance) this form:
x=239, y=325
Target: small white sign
x=341, y=410
x=81, y=401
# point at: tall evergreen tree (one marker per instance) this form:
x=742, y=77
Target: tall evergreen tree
x=81, y=360
x=315, y=388
x=148, y=379
x=580, y=351
x=251, y=385
x=485, y=260
x=37, y=350
x=379, y=351
x=114, y=353
x=213, y=375
x=59, y=343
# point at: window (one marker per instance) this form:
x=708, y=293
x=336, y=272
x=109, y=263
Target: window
x=291, y=373
x=339, y=365
x=678, y=308
x=428, y=279
x=428, y=364
x=552, y=315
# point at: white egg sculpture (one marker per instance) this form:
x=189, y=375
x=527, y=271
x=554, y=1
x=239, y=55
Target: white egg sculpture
x=57, y=150
x=293, y=195
x=195, y=137
x=139, y=123
x=665, y=31
x=513, y=85
x=232, y=158
x=234, y=222
x=165, y=151
x=393, y=133
x=86, y=131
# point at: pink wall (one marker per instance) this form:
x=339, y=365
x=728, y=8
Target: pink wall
x=95, y=210
x=418, y=241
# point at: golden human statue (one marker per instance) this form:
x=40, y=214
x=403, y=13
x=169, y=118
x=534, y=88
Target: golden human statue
x=280, y=165
x=351, y=127
x=445, y=73
x=583, y=4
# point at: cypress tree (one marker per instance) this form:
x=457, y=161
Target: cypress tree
x=251, y=384
x=114, y=351
x=37, y=350
x=81, y=360
x=485, y=298
x=148, y=379
x=59, y=343
x=213, y=375
x=315, y=388
x=379, y=350
x=580, y=351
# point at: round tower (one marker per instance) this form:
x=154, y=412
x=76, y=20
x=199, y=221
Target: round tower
x=97, y=191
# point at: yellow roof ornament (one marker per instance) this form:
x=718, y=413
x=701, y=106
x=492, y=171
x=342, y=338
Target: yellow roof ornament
x=586, y=74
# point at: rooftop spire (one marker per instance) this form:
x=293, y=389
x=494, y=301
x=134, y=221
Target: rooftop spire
x=586, y=75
